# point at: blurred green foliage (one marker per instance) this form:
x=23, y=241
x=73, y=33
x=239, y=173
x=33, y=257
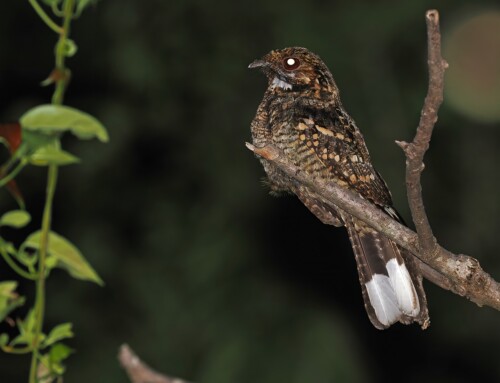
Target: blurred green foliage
x=208, y=277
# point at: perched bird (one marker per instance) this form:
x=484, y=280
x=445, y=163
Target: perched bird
x=302, y=115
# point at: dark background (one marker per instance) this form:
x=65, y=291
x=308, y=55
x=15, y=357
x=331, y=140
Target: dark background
x=207, y=276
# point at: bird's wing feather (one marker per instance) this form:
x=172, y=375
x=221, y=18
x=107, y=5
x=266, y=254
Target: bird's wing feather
x=339, y=145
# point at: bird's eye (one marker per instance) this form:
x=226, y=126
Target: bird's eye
x=291, y=63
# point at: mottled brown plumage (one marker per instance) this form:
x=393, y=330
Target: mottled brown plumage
x=301, y=114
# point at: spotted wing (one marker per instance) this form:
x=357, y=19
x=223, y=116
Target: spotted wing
x=337, y=143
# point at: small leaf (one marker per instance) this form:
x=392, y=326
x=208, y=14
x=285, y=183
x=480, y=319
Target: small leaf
x=59, y=352
x=43, y=150
x=15, y=218
x=68, y=256
x=9, y=299
x=70, y=48
x=50, y=119
x=44, y=371
x=50, y=366
x=4, y=339
x=58, y=333
x=49, y=155
x=26, y=330
x=56, y=75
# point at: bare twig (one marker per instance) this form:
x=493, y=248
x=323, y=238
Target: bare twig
x=140, y=372
x=460, y=274
x=415, y=150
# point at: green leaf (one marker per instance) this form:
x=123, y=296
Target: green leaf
x=50, y=155
x=43, y=370
x=50, y=119
x=26, y=330
x=58, y=333
x=50, y=366
x=15, y=218
x=59, y=352
x=43, y=149
x=67, y=255
x=35, y=140
x=9, y=299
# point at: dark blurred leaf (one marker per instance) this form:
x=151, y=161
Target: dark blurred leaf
x=50, y=119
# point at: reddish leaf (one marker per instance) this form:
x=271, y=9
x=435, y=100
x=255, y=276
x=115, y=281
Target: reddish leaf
x=12, y=134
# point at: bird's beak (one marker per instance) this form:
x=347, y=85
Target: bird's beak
x=258, y=64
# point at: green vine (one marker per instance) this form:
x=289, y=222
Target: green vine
x=41, y=128
x=57, y=99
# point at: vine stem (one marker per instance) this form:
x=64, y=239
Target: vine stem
x=15, y=267
x=46, y=18
x=57, y=99
x=9, y=177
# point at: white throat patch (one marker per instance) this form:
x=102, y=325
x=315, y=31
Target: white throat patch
x=281, y=84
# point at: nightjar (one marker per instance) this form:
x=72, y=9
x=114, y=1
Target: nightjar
x=302, y=115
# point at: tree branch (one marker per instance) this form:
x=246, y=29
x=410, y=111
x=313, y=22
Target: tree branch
x=460, y=274
x=140, y=372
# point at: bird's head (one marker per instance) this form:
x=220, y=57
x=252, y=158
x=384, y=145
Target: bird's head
x=295, y=69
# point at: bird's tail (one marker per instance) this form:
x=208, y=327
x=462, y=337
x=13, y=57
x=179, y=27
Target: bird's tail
x=390, y=279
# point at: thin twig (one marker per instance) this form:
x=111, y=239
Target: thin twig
x=140, y=372
x=46, y=18
x=415, y=150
